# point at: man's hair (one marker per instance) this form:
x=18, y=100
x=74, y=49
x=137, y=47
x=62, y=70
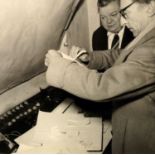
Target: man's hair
x=143, y=1
x=102, y=3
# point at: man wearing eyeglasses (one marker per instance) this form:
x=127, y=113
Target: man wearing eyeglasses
x=129, y=80
x=111, y=31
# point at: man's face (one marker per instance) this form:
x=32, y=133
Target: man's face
x=135, y=16
x=110, y=17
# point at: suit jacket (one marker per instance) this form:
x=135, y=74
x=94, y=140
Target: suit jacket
x=129, y=83
x=100, y=39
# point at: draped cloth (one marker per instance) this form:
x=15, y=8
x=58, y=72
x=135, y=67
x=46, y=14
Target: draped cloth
x=28, y=28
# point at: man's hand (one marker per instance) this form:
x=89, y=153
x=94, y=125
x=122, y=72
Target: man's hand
x=84, y=57
x=79, y=54
x=74, y=51
x=52, y=54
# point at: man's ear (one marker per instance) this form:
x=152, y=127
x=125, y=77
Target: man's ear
x=151, y=8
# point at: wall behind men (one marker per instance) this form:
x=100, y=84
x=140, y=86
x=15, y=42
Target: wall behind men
x=28, y=28
x=78, y=32
x=93, y=18
x=83, y=25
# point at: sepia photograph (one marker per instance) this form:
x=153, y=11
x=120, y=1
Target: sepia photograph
x=77, y=77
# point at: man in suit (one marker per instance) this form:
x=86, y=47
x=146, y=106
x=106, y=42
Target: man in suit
x=111, y=25
x=129, y=80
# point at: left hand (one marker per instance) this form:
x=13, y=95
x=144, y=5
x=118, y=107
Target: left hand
x=74, y=51
x=52, y=54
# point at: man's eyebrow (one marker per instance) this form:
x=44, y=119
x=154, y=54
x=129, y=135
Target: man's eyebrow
x=115, y=11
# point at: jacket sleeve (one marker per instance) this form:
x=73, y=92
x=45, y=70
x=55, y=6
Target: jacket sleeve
x=137, y=72
x=103, y=59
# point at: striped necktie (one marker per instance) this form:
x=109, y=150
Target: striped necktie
x=115, y=42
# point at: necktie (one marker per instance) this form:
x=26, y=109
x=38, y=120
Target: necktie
x=115, y=42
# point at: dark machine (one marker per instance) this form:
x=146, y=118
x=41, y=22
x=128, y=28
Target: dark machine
x=23, y=117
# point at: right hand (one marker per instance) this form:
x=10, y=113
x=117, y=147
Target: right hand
x=84, y=58
x=79, y=54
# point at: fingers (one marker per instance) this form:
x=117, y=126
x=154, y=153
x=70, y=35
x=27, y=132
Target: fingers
x=46, y=62
x=74, y=51
x=50, y=55
x=84, y=58
x=53, y=53
x=81, y=53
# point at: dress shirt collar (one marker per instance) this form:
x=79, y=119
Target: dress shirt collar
x=119, y=33
x=111, y=36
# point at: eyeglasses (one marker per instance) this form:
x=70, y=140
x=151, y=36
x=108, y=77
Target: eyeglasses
x=122, y=11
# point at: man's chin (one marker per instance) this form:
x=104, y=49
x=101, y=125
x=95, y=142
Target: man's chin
x=114, y=30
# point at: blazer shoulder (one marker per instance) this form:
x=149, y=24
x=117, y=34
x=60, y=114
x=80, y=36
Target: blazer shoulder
x=100, y=31
x=99, y=39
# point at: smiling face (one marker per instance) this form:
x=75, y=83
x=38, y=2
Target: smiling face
x=136, y=15
x=110, y=17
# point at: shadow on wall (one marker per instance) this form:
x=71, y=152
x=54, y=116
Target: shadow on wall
x=27, y=30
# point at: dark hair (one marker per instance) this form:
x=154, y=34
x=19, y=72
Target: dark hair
x=143, y=1
x=102, y=3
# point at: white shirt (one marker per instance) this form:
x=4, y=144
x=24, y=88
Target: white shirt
x=111, y=37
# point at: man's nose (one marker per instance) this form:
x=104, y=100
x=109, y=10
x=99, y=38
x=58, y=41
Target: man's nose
x=109, y=20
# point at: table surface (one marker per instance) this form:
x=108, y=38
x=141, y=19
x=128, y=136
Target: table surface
x=66, y=130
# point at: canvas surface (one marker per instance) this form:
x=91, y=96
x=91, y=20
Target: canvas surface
x=28, y=28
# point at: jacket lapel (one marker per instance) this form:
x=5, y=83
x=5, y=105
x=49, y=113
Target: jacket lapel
x=148, y=33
